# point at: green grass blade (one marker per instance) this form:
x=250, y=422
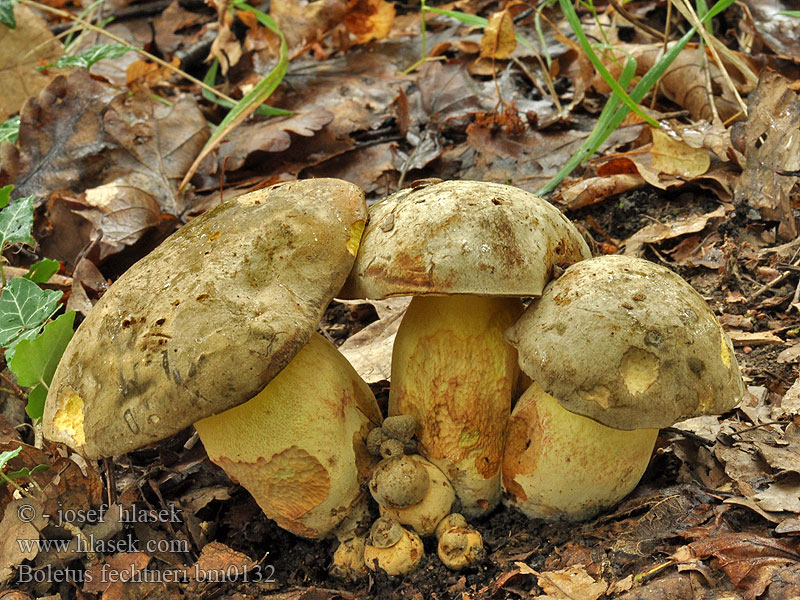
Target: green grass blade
x=262, y=111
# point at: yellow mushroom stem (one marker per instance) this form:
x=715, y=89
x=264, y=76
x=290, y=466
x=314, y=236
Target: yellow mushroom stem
x=299, y=446
x=348, y=559
x=560, y=465
x=392, y=548
x=453, y=371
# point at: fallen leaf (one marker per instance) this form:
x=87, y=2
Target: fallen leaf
x=781, y=495
x=772, y=150
x=596, y=189
x=102, y=575
x=22, y=49
x=657, y=232
x=573, y=583
x=675, y=157
x=369, y=19
x=271, y=135
x=19, y=532
x=498, y=41
x=753, y=338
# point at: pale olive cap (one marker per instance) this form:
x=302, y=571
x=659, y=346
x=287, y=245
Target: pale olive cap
x=627, y=343
x=462, y=237
x=207, y=319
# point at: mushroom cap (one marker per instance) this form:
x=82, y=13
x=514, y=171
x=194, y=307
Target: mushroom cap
x=399, y=481
x=207, y=319
x=627, y=343
x=462, y=237
x=460, y=547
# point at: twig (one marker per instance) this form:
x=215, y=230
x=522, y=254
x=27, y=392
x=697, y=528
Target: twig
x=15, y=389
x=639, y=24
x=771, y=284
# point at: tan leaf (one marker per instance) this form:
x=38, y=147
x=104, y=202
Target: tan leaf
x=573, y=583
x=21, y=51
x=498, y=39
x=678, y=158
x=369, y=19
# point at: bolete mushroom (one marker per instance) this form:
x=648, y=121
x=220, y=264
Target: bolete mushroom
x=459, y=544
x=223, y=312
x=392, y=548
x=617, y=347
x=467, y=251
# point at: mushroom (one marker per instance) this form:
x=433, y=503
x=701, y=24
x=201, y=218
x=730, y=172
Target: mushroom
x=392, y=548
x=413, y=491
x=223, y=312
x=348, y=559
x=467, y=251
x=459, y=544
x=617, y=347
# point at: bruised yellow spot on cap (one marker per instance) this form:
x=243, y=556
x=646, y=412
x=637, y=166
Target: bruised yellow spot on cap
x=639, y=369
x=69, y=416
x=725, y=352
x=356, y=230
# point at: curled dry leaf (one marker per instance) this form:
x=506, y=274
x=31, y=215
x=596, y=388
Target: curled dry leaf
x=657, y=232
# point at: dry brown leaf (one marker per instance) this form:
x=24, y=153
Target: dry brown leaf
x=573, y=583
x=169, y=23
x=781, y=495
x=790, y=355
x=61, y=137
x=271, y=135
x=15, y=531
x=304, y=23
x=657, y=232
x=684, y=81
x=498, y=41
x=780, y=32
x=772, y=149
x=22, y=50
x=370, y=350
x=142, y=75
x=749, y=560
x=596, y=189
x=675, y=157
x=101, y=575
x=122, y=211
x=369, y=19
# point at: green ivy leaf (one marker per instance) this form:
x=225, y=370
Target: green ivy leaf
x=9, y=130
x=42, y=270
x=26, y=473
x=7, y=13
x=16, y=223
x=5, y=195
x=7, y=456
x=35, y=361
x=88, y=57
x=24, y=306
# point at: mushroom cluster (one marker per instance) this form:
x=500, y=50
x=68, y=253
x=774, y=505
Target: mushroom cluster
x=553, y=408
